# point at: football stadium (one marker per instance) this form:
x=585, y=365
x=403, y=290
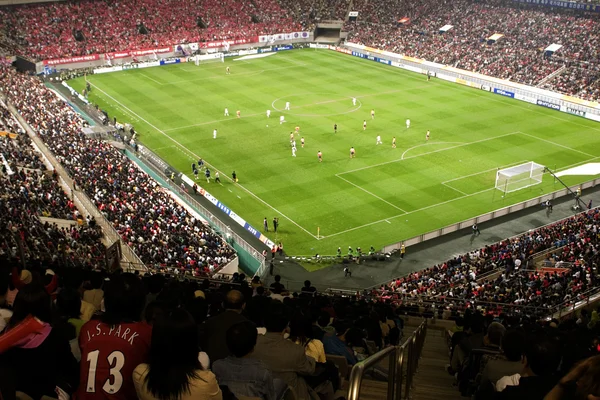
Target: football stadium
x=268, y=199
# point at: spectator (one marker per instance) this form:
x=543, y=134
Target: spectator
x=116, y=339
x=581, y=383
x=5, y=312
x=285, y=360
x=95, y=295
x=173, y=370
x=301, y=333
x=335, y=343
x=68, y=303
x=540, y=362
x=308, y=289
x=243, y=375
x=277, y=284
x=508, y=364
x=216, y=327
x=39, y=362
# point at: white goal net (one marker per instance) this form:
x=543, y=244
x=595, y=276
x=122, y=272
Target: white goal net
x=519, y=176
x=209, y=58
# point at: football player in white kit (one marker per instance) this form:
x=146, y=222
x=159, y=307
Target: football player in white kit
x=226, y=114
x=379, y=140
x=214, y=134
x=287, y=105
x=268, y=113
x=407, y=123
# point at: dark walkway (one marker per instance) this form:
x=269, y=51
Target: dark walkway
x=429, y=253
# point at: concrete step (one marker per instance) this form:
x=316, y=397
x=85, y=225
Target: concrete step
x=432, y=382
x=373, y=390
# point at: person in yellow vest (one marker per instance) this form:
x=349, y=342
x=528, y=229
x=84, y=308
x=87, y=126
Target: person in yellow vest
x=402, y=251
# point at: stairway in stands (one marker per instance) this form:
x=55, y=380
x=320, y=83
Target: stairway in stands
x=374, y=386
x=432, y=382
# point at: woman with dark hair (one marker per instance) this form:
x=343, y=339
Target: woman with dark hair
x=301, y=333
x=174, y=371
x=68, y=304
x=41, y=361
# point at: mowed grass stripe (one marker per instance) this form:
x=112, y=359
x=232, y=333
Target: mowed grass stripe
x=310, y=193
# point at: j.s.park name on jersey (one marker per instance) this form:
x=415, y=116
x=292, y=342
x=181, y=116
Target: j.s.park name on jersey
x=114, y=331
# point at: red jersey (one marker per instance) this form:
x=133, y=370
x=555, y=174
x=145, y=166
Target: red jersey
x=109, y=354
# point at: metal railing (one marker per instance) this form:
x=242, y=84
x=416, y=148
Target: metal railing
x=398, y=362
x=565, y=308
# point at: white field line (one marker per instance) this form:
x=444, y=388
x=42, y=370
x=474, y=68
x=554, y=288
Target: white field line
x=407, y=213
x=426, y=144
x=372, y=194
x=439, y=204
x=455, y=189
x=559, y=145
x=196, y=156
x=430, y=152
x=487, y=170
x=152, y=79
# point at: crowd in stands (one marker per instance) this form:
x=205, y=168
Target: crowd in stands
x=165, y=338
x=512, y=357
x=518, y=55
x=309, y=12
x=48, y=30
x=462, y=280
x=161, y=231
x=27, y=192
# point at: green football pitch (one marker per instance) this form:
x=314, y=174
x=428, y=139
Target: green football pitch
x=381, y=196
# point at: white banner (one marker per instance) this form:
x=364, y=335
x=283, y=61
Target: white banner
x=353, y=14
x=525, y=98
x=109, y=69
x=246, y=52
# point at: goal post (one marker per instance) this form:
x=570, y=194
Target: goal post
x=209, y=58
x=519, y=177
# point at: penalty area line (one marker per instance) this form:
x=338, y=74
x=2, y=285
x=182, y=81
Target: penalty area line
x=195, y=155
x=370, y=193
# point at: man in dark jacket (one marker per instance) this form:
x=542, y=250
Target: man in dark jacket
x=216, y=327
